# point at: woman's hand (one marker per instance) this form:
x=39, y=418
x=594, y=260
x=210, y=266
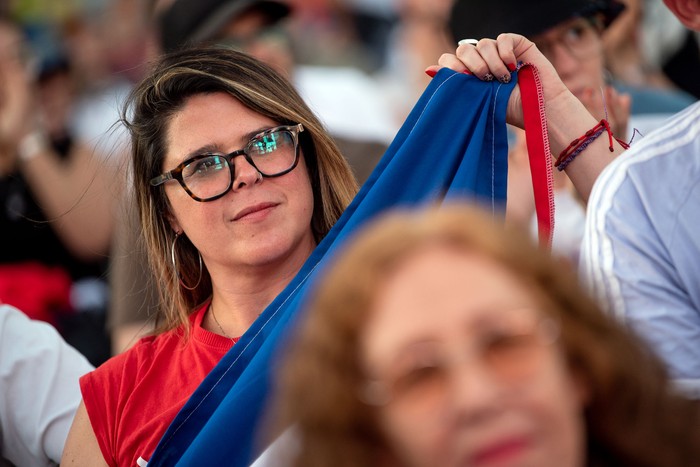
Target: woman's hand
x=567, y=117
x=15, y=108
x=492, y=58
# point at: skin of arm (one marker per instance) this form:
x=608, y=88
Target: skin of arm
x=81, y=446
x=77, y=195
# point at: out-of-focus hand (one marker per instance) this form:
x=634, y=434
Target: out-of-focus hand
x=490, y=59
x=16, y=116
x=615, y=105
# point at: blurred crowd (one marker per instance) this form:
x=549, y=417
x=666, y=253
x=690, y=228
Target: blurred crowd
x=71, y=252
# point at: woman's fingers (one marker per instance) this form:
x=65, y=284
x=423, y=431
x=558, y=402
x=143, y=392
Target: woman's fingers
x=473, y=58
x=483, y=59
x=495, y=59
x=451, y=61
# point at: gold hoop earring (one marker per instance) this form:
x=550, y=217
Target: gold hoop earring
x=175, y=269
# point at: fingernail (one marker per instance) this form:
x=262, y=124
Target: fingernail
x=505, y=78
x=431, y=73
x=488, y=77
x=467, y=72
x=511, y=66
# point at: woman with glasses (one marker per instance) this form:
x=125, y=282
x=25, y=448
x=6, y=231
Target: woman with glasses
x=443, y=339
x=236, y=182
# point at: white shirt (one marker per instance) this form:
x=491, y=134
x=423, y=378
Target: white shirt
x=39, y=391
x=641, y=248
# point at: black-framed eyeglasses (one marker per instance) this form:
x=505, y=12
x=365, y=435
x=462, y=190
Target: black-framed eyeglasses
x=207, y=177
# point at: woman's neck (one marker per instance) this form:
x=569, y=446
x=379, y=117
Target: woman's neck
x=241, y=293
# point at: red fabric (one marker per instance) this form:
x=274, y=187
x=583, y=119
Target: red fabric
x=38, y=290
x=132, y=398
x=538, y=150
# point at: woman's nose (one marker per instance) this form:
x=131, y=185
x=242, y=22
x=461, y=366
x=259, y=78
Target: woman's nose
x=474, y=392
x=244, y=174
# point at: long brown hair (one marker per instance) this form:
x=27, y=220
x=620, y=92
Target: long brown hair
x=147, y=114
x=633, y=417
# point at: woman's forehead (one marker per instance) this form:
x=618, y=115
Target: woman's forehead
x=215, y=122
x=440, y=288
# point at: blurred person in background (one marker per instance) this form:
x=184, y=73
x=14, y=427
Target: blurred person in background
x=442, y=340
x=419, y=35
x=671, y=45
x=650, y=46
x=624, y=44
x=58, y=194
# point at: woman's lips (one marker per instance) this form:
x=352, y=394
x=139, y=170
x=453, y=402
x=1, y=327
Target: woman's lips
x=500, y=451
x=254, y=212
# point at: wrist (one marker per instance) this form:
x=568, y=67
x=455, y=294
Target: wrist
x=32, y=145
x=567, y=118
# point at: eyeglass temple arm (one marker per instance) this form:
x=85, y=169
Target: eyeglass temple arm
x=160, y=179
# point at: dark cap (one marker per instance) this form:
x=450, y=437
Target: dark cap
x=477, y=19
x=195, y=21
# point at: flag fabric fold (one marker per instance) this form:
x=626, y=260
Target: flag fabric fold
x=452, y=146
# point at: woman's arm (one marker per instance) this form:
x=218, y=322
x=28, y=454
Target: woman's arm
x=78, y=196
x=81, y=446
x=567, y=117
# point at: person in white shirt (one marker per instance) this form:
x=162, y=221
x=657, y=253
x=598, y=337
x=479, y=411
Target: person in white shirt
x=39, y=391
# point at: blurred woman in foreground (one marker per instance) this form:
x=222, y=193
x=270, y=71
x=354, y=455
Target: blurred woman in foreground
x=443, y=340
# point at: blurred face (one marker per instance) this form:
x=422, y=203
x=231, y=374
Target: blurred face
x=575, y=49
x=258, y=223
x=251, y=33
x=465, y=370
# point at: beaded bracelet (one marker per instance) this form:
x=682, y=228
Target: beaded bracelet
x=579, y=144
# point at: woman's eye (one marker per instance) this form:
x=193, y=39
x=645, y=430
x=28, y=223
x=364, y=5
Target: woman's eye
x=504, y=346
x=575, y=33
x=206, y=166
x=416, y=377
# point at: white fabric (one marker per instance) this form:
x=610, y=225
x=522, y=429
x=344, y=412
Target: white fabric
x=641, y=248
x=350, y=103
x=39, y=390
x=95, y=122
x=281, y=452
x=569, y=219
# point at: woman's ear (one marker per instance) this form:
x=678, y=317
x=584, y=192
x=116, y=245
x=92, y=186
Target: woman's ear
x=581, y=387
x=687, y=11
x=172, y=220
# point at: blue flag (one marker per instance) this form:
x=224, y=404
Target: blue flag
x=453, y=146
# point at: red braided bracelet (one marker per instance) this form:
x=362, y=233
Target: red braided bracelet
x=582, y=142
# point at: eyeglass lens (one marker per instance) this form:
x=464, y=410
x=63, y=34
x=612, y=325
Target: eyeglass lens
x=271, y=154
